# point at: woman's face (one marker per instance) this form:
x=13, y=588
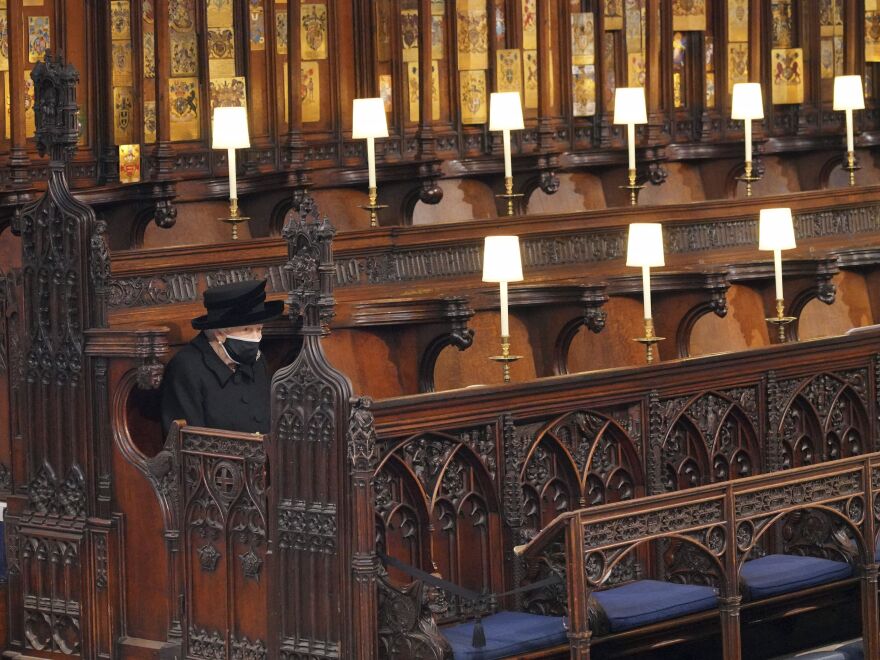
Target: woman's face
x=251, y=332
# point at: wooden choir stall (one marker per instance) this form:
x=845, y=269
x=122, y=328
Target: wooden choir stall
x=421, y=496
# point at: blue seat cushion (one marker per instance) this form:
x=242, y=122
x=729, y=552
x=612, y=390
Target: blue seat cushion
x=843, y=651
x=853, y=651
x=507, y=634
x=780, y=574
x=643, y=602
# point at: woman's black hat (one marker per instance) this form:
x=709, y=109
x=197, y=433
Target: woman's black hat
x=237, y=304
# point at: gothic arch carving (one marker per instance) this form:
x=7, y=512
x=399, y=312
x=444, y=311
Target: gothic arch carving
x=684, y=459
x=711, y=437
x=443, y=488
x=579, y=459
x=822, y=419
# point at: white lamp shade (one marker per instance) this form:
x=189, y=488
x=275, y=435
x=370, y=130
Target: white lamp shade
x=505, y=112
x=230, y=129
x=501, y=260
x=776, y=230
x=848, y=93
x=368, y=119
x=644, y=247
x=629, y=106
x=748, y=102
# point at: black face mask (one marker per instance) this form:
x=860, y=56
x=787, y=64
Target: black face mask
x=243, y=351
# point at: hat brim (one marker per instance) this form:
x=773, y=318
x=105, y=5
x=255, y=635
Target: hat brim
x=271, y=309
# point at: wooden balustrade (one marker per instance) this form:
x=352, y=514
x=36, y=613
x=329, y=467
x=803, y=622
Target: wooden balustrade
x=724, y=523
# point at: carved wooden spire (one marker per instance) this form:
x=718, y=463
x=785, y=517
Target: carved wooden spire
x=309, y=265
x=56, y=109
x=321, y=451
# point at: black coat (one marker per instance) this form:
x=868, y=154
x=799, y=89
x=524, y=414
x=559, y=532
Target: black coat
x=201, y=389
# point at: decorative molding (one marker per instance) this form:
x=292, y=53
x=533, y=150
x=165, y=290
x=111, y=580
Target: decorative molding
x=148, y=292
x=5, y=478
x=206, y=644
x=769, y=500
x=309, y=649
x=203, y=443
x=101, y=570
x=245, y=649
x=309, y=527
x=49, y=497
x=645, y=525
x=398, y=264
x=362, y=452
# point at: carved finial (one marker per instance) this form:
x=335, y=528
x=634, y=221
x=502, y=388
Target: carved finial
x=55, y=107
x=310, y=265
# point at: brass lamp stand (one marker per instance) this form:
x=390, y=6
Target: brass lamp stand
x=509, y=195
x=505, y=359
x=649, y=340
x=851, y=167
x=781, y=320
x=373, y=207
x=633, y=188
x=749, y=178
x=234, y=218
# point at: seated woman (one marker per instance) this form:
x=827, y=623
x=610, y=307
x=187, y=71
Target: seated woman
x=220, y=379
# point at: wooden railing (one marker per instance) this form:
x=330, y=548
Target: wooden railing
x=724, y=523
x=464, y=475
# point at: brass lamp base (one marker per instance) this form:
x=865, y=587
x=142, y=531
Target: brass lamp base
x=780, y=320
x=851, y=167
x=373, y=207
x=505, y=358
x=633, y=188
x=649, y=340
x=509, y=195
x=234, y=218
x=748, y=178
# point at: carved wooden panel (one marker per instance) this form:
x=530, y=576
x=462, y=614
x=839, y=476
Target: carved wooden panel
x=437, y=507
x=711, y=437
x=581, y=459
x=52, y=597
x=223, y=526
x=824, y=418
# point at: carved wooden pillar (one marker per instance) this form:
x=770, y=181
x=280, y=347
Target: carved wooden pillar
x=730, y=600
x=108, y=166
x=427, y=141
x=757, y=61
x=807, y=29
x=313, y=504
x=871, y=643
x=870, y=613
x=295, y=144
x=363, y=458
x=603, y=119
x=18, y=157
x=545, y=78
x=578, y=590
x=548, y=115
x=658, y=35
x=164, y=150
x=429, y=168
x=854, y=38
x=61, y=525
x=365, y=76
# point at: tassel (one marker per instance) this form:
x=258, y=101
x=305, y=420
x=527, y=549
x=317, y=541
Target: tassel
x=478, y=640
